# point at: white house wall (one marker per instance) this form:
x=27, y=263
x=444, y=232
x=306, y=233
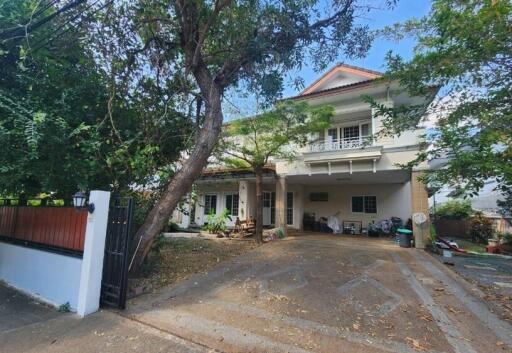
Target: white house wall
x=221, y=189
x=246, y=190
x=392, y=200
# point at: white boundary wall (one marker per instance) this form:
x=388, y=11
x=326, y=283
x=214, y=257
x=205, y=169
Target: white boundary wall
x=51, y=277
x=58, y=279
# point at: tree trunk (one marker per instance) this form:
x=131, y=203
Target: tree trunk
x=190, y=171
x=258, y=171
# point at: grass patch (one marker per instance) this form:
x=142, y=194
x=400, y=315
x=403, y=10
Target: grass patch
x=470, y=246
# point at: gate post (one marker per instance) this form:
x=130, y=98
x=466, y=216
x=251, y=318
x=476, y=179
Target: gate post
x=419, y=204
x=94, y=248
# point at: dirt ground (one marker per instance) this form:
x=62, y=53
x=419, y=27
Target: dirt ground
x=179, y=258
x=327, y=294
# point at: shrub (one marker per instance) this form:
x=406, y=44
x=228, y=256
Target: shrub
x=217, y=223
x=455, y=209
x=433, y=234
x=172, y=227
x=505, y=237
x=480, y=228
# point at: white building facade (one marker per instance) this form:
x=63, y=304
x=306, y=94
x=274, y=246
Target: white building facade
x=349, y=170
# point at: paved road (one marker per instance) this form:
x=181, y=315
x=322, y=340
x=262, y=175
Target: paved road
x=485, y=270
x=327, y=294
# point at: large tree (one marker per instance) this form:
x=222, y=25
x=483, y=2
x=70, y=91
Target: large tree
x=212, y=46
x=273, y=135
x=463, y=61
x=65, y=120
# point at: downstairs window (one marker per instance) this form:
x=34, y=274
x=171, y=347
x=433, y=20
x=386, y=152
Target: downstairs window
x=364, y=204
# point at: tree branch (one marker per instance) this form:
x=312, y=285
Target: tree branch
x=31, y=27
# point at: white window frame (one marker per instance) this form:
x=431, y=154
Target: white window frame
x=364, y=211
x=216, y=203
x=288, y=208
x=340, y=126
x=232, y=203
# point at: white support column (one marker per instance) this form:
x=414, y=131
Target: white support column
x=185, y=219
x=299, y=206
x=281, y=191
x=329, y=164
x=350, y=166
x=94, y=248
x=243, y=200
x=199, y=213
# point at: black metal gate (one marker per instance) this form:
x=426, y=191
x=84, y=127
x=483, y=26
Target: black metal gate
x=115, y=265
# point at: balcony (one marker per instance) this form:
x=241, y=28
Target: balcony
x=344, y=149
x=350, y=143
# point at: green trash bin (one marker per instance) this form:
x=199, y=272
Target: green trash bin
x=404, y=237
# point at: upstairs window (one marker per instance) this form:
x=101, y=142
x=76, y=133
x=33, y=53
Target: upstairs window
x=351, y=132
x=365, y=130
x=332, y=134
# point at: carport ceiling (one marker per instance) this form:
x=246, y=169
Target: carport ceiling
x=383, y=177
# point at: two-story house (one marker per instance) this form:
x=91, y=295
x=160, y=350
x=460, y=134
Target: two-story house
x=347, y=171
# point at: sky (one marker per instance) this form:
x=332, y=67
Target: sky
x=376, y=19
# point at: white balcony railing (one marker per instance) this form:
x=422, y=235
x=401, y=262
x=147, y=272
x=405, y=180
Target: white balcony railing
x=350, y=143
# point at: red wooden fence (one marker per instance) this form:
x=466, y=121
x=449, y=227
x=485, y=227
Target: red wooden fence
x=61, y=227
x=452, y=228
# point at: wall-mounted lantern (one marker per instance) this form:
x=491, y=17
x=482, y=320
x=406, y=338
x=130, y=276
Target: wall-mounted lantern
x=79, y=201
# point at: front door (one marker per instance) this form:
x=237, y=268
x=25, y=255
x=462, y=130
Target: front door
x=269, y=208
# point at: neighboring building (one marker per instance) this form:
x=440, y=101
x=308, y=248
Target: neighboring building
x=339, y=173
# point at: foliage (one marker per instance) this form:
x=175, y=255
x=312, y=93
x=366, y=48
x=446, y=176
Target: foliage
x=172, y=227
x=275, y=134
x=480, y=228
x=432, y=234
x=216, y=224
x=455, y=209
x=65, y=120
x=65, y=308
x=249, y=44
x=505, y=203
x=463, y=64
x=506, y=237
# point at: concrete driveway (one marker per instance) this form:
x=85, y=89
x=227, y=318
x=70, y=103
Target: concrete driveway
x=327, y=294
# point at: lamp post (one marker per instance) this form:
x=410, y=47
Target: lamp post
x=79, y=201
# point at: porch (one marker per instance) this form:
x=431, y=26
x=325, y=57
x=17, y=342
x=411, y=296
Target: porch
x=301, y=202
